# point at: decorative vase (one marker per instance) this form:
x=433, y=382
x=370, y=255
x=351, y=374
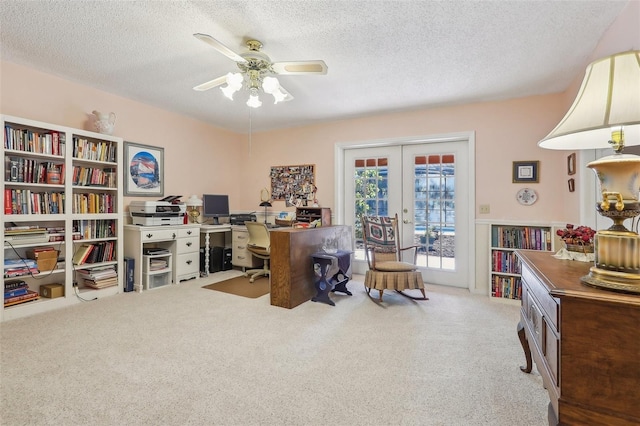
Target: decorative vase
x=104, y=122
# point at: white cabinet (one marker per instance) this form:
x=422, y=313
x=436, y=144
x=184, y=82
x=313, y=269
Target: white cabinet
x=241, y=256
x=182, y=241
x=66, y=182
x=187, y=262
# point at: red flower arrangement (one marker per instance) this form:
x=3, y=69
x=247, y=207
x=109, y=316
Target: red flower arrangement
x=576, y=236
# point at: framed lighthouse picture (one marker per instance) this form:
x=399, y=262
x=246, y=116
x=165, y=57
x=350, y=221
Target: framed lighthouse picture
x=144, y=170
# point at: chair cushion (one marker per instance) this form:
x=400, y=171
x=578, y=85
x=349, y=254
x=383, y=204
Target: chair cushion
x=394, y=266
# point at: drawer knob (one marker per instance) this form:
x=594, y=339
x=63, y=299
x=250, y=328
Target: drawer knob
x=189, y=244
x=189, y=232
x=189, y=262
x=149, y=235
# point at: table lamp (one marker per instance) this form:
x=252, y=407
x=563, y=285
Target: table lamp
x=193, y=204
x=606, y=113
x=265, y=204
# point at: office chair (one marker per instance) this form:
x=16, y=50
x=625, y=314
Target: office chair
x=259, y=245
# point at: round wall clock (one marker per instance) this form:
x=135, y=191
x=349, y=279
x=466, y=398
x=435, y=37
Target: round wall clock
x=527, y=196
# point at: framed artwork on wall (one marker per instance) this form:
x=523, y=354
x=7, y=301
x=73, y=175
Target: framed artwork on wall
x=144, y=170
x=526, y=171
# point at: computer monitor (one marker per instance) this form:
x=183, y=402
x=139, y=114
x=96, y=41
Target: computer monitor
x=215, y=206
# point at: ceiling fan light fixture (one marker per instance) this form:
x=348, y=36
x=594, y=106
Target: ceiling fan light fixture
x=270, y=85
x=254, y=100
x=234, y=83
x=278, y=96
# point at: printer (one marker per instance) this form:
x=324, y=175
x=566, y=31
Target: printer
x=161, y=212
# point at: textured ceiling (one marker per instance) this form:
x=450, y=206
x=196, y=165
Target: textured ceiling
x=381, y=55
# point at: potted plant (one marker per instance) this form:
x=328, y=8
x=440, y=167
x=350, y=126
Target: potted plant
x=429, y=237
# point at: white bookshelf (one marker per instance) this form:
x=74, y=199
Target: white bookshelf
x=504, y=265
x=86, y=210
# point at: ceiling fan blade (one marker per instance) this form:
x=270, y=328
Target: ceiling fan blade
x=300, y=67
x=219, y=47
x=211, y=84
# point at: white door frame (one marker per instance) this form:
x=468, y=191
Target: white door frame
x=340, y=147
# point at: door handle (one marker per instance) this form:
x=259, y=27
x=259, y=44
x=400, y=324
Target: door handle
x=405, y=221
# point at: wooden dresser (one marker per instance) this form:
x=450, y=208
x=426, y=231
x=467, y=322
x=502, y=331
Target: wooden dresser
x=585, y=342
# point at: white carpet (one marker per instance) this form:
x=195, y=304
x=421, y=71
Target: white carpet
x=184, y=355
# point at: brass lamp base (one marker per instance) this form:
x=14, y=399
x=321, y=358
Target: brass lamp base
x=617, y=262
x=616, y=281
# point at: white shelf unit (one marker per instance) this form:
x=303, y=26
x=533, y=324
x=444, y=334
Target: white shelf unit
x=83, y=204
x=158, y=277
x=504, y=265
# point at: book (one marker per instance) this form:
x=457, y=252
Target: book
x=107, y=282
x=19, y=264
x=81, y=254
x=17, y=292
x=11, y=285
x=31, y=295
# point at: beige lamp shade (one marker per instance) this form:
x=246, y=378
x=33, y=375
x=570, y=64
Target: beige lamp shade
x=608, y=98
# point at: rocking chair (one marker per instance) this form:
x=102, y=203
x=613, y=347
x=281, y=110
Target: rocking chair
x=382, y=250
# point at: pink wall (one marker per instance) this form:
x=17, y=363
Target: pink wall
x=192, y=149
x=505, y=131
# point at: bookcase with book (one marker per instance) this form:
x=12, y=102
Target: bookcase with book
x=505, y=278
x=62, y=223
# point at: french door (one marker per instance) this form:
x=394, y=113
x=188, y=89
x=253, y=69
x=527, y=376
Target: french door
x=427, y=185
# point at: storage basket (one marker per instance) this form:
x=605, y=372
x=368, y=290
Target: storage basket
x=283, y=222
x=580, y=248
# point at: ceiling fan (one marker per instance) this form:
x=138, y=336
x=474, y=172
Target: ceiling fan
x=256, y=70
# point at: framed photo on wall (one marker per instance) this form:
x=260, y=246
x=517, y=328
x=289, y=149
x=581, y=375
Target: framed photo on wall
x=144, y=170
x=526, y=171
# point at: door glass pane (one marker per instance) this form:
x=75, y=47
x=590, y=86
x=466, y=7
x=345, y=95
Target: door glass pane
x=434, y=210
x=371, y=194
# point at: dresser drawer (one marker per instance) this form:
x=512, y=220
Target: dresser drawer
x=546, y=303
x=240, y=237
x=188, y=263
x=188, y=245
x=551, y=352
x=159, y=235
x=188, y=232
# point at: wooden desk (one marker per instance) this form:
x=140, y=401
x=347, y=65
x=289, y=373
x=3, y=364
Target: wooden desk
x=585, y=342
x=292, y=277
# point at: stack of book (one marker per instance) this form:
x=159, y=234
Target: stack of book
x=19, y=267
x=16, y=292
x=100, y=277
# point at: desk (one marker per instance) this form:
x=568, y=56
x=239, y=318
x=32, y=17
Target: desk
x=336, y=266
x=207, y=230
x=181, y=240
x=292, y=276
